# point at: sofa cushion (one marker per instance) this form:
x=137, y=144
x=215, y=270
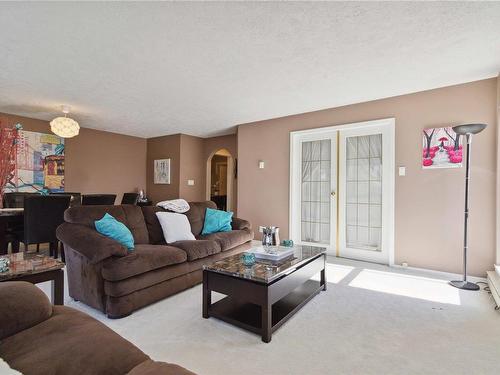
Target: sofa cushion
x=153, y=224
x=128, y=214
x=70, y=342
x=21, y=307
x=144, y=258
x=197, y=249
x=155, y=277
x=196, y=215
x=229, y=240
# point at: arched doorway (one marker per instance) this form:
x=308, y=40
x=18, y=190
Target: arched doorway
x=220, y=166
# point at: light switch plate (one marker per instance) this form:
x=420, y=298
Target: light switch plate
x=402, y=171
x=261, y=164
x=190, y=182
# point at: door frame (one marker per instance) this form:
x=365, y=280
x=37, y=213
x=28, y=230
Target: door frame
x=229, y=181
x=295, y=171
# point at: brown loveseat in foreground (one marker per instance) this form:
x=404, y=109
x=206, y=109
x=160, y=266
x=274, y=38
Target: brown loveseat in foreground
x=104, y=275
x=38, y=338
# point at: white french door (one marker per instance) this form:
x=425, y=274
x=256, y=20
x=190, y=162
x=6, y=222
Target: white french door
x=314, y=197
x=342, y=189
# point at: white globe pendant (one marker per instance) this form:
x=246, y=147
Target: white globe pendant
x=65, y=127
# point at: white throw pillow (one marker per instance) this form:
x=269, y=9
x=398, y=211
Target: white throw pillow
x=176, y=227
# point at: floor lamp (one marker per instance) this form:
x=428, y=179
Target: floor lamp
x=468, y=130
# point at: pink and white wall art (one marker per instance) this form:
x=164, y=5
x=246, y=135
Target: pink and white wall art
x=441, y=148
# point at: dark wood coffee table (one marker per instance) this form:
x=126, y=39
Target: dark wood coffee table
x=36, y=268
x=263, y=297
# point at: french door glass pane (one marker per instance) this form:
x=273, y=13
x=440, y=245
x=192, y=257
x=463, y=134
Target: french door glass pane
x=364, y=192
x=316, y=187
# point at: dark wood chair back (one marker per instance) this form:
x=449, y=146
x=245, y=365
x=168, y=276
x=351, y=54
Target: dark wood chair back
x=98, y=199
x=42, y=216
x=75, y=198
x=15, y=199
x=130, y=198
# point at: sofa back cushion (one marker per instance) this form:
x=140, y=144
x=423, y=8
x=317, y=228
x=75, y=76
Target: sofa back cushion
x=129, y=215
x=153, y=225
x=196, y=215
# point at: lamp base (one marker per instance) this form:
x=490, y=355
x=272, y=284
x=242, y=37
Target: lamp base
x=467, y=285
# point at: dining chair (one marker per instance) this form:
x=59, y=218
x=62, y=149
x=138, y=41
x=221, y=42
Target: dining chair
x=98, y=199
x=130, y=198
x=15, y=199
x=76, y=198
x=42, y=215
x=15, y=224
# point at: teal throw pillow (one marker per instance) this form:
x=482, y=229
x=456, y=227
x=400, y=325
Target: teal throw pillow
x=217, y=221
x=110, y=227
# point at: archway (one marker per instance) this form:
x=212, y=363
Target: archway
x=219, y=188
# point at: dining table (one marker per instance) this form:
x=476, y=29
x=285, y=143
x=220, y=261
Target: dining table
x=7, y=216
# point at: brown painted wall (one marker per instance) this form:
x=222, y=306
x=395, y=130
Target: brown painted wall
x=216, y=143
x=189, y=162
x=97, y=161
x=428, y=204
x=193, y=167
x=167, y=147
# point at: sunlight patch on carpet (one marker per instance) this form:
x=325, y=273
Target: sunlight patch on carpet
x=425, y=288
x=335, y=273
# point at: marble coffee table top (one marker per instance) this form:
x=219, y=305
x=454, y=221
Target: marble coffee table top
x=264, y=271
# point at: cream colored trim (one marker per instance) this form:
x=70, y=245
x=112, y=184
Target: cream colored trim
x=498, y=174
x=337, y=230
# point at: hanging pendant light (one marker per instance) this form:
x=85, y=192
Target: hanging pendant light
x=65, y=127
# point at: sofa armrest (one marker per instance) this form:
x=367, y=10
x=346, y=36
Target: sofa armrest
x=239, y=224
x=88, y=242
x=151, y=367
x=23, y=306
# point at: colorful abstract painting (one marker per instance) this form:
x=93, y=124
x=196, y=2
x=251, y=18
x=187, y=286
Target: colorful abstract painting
x=39, y=163
x=441, y=148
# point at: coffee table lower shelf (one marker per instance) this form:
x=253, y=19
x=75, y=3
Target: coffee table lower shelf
x=248, y=315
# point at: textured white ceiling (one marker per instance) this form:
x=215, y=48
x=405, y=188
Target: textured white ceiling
x=151, y=69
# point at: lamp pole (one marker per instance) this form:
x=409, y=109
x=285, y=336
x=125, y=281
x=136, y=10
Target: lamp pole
x=468, y=130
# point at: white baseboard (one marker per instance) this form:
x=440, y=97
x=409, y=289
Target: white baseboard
x=447, y=275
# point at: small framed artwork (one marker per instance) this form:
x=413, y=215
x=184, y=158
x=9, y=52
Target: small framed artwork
x=441, y=148
x=162, y=171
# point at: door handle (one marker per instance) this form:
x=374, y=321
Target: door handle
x=332, y=193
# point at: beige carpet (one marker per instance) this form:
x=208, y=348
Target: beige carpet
x=372, y=320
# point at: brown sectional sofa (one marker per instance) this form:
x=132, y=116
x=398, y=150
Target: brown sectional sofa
x=38, y=338
x=104, y=275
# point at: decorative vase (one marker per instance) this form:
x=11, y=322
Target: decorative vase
x=248, y=259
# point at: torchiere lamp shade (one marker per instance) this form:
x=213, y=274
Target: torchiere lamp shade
x=469, y=128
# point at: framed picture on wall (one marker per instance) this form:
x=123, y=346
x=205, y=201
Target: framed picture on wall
x=441, y=148
x=162, y=171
